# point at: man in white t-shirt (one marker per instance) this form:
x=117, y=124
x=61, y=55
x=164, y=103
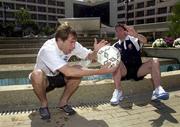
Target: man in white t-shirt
x=52, y=69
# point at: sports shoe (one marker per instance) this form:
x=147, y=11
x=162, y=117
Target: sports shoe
x=44, y=113
x=160, y=95
x=68, y=110
x=117, y=97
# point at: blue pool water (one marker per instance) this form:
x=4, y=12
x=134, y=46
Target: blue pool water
x=25, y=80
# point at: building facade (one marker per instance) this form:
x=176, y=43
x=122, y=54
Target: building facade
x=145, y=15
x=43, y=12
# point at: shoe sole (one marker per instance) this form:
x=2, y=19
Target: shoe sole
x=162, y=97
x=68, y=114
x=116, y=103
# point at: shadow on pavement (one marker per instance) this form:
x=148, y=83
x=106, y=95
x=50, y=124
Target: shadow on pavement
x=60, y=119
x=165, y=114
x=144, y=99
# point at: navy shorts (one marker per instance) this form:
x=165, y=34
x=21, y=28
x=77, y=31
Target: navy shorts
x=132, y=73
x=55, y=82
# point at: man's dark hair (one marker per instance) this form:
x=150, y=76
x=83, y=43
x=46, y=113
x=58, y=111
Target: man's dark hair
x=63, y=32
x=120, y=25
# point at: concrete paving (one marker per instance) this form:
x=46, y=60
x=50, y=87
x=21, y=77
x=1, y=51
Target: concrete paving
x=134, y=111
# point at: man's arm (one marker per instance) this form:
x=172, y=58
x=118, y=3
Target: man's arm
x=131, y=31
x=74, y=71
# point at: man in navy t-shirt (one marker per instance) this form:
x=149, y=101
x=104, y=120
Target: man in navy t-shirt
x=131, y=67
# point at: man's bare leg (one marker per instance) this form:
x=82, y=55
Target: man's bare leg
x=39, y=83
x=71, y=86
x=151, y=67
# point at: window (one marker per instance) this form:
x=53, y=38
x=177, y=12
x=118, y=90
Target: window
x=162, y=10
x=9, y=14
x=161, y=19
x=31, y=8
x=20, y=6
x=131, y=15
x=1, y=14
x=139, y=13
x=41, y=9
x=140, y=5
x=141, y=21
x=130, y=22
x=150, y=3
x=42, y=17
x=130, y=7
x=61, y=4
x=51, y=10
x=9, y=5
x=121, y=15
x=31, y=1
x=120, y=1
x=41, y=1
x=51, y=2
x=60, y=11
x=150, y=12
x=120, y=8
x=52, y=18
x=33, y=16
x=150, y=20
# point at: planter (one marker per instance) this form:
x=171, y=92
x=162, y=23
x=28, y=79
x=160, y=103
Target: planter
x=172, y=53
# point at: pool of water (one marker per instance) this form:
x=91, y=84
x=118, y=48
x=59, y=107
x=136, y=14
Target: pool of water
x=25, y=80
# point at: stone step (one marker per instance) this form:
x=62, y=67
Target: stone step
x=19, y=51
x=18, y=59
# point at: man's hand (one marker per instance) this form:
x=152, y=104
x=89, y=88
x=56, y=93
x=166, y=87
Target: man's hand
x=131, y=31
x=108, y=68
x=99, y=45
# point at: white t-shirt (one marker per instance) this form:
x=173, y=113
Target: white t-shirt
x=50, y=58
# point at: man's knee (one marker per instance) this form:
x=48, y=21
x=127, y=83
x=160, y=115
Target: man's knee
x=37, y=75
x=155, y=60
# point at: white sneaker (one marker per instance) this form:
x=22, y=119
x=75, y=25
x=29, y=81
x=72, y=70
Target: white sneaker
x=160, y=94
x=117, y=97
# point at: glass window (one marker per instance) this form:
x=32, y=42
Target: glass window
x=61, y=4
x=162, y=10
x=41, y=1
x=31, y=1
x=120, y=8
x=139, y=13
x=31, y=8
x=121, y=15
x=150, y=20
x=151, y=12
x=131, y=15
x=42, y=9
x=141, y=21
x=150, y=3
x=42, y=17
x=20, y=6
x=52, y=18
x=33, y=16
x=51, y=2
x=161, y=19
x=51, y=10
x=60, y=11
x=140, y=5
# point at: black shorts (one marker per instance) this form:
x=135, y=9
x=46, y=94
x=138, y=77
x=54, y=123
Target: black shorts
x=55, y=82
x=132, y=73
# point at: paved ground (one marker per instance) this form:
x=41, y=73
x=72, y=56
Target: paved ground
x=135, y=111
